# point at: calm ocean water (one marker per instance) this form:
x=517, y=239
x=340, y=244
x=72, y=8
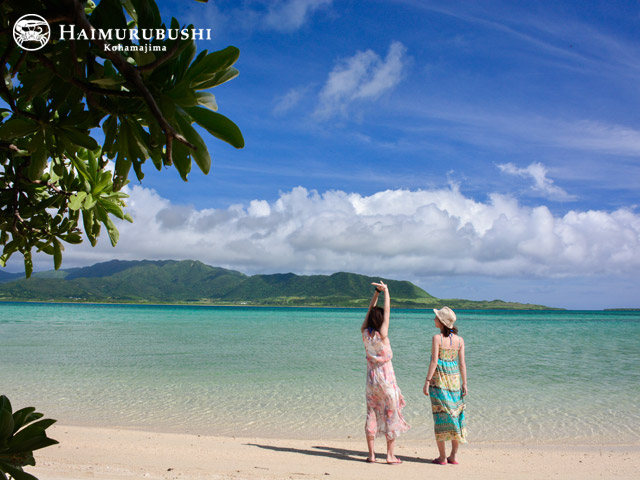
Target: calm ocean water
x=534, y=377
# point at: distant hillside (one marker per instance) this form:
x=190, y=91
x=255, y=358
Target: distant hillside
x=193, y=282
x=8, y=277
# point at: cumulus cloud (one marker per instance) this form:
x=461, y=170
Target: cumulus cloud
x=288, y=16
x=398, y=233
x=542, y=185
x=365, y=76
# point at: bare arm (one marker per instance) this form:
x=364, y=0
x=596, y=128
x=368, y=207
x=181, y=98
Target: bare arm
x=372, y=303
x=384, y=329
x=435, y=350
x=463, y=368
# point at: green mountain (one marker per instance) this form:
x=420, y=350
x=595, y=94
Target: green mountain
x=193, y=282
x=7, y=277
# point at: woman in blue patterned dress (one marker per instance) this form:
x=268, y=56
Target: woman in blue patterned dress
x=446, y=384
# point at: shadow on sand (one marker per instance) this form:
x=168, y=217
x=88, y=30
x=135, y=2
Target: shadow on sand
x=338, y=453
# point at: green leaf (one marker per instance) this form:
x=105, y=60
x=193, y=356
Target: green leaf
x=123, y=161
x=138, y=141
x=87, y=221
x=81, y=167
x=212, y=63
x=74, y=238
x=16, y=473
x=185, y=57
x=75, y=201
x=28, y=264
x=200, y=154
x=110, y=129
x=57, y=254
x=5, y=403
x=30, y=438
x=181, y=159
x=17, y=128
x=24, y=416
x=109, y=14
x=6, y=424
x=112, y=231
x=92, y=167
x=111, y=207
x=38, y=161
x=104, y=181
x=41, y=424
x=217, y=125
x=89, y=202
x=207, y=100
x=147, y=13
x=183, y=95
x=109, y=81
x=40, y=107
x=216, y=79
x=79, y=138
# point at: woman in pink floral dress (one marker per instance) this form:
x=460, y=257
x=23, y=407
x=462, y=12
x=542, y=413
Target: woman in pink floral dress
x=384, y=400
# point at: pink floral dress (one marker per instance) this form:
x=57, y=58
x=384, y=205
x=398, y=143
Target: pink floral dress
x=384, y=399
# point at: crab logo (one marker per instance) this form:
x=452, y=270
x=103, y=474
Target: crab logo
x=31, y=32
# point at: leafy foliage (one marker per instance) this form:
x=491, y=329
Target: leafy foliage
x=54, y=181
x=21, y=433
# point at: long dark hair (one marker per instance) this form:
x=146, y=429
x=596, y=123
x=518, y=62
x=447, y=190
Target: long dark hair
x=375, y=318
x=446, y=331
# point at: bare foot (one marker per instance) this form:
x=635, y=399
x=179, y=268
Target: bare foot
x=393, y=460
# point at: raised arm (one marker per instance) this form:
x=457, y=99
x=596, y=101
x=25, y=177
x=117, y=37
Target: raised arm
x=372, y=303
x=384, y=329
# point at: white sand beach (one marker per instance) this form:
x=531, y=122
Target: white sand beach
x=102, y=453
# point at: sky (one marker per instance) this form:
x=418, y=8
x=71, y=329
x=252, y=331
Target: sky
x=483, y=150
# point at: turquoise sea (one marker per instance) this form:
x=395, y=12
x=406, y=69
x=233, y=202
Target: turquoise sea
x=535, y=377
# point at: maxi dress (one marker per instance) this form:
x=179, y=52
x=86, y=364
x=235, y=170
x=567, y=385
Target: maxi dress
x=384, y=399
x=447, y=403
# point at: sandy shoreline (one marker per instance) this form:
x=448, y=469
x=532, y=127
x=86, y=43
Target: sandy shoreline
x=86, y=452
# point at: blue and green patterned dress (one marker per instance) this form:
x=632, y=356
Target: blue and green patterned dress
x=447, y=403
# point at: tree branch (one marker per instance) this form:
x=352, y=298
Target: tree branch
x=52, y=186
x=132, y=74
x=12, y=103
x=159, y=61
x=18, y=64
x=86, y=87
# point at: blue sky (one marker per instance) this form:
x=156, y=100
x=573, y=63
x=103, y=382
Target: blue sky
x=480, y=149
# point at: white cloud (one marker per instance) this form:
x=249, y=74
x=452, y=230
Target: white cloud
x=290, y=99
x=363, y=76
x=541, y=184
x=290, y=15
x=396, y=233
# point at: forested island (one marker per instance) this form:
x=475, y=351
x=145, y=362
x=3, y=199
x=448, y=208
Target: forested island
x=193, y=282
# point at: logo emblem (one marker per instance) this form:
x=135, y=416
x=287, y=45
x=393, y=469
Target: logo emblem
x=31, y=32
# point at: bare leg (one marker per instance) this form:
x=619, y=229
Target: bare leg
x=454, y=451
x=391, y=458
x=372, y=453
x=442, y=451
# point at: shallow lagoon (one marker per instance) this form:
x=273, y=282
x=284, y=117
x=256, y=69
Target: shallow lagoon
x=534, y=377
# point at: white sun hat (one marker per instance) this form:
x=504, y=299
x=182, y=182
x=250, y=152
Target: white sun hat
x=446, y=316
